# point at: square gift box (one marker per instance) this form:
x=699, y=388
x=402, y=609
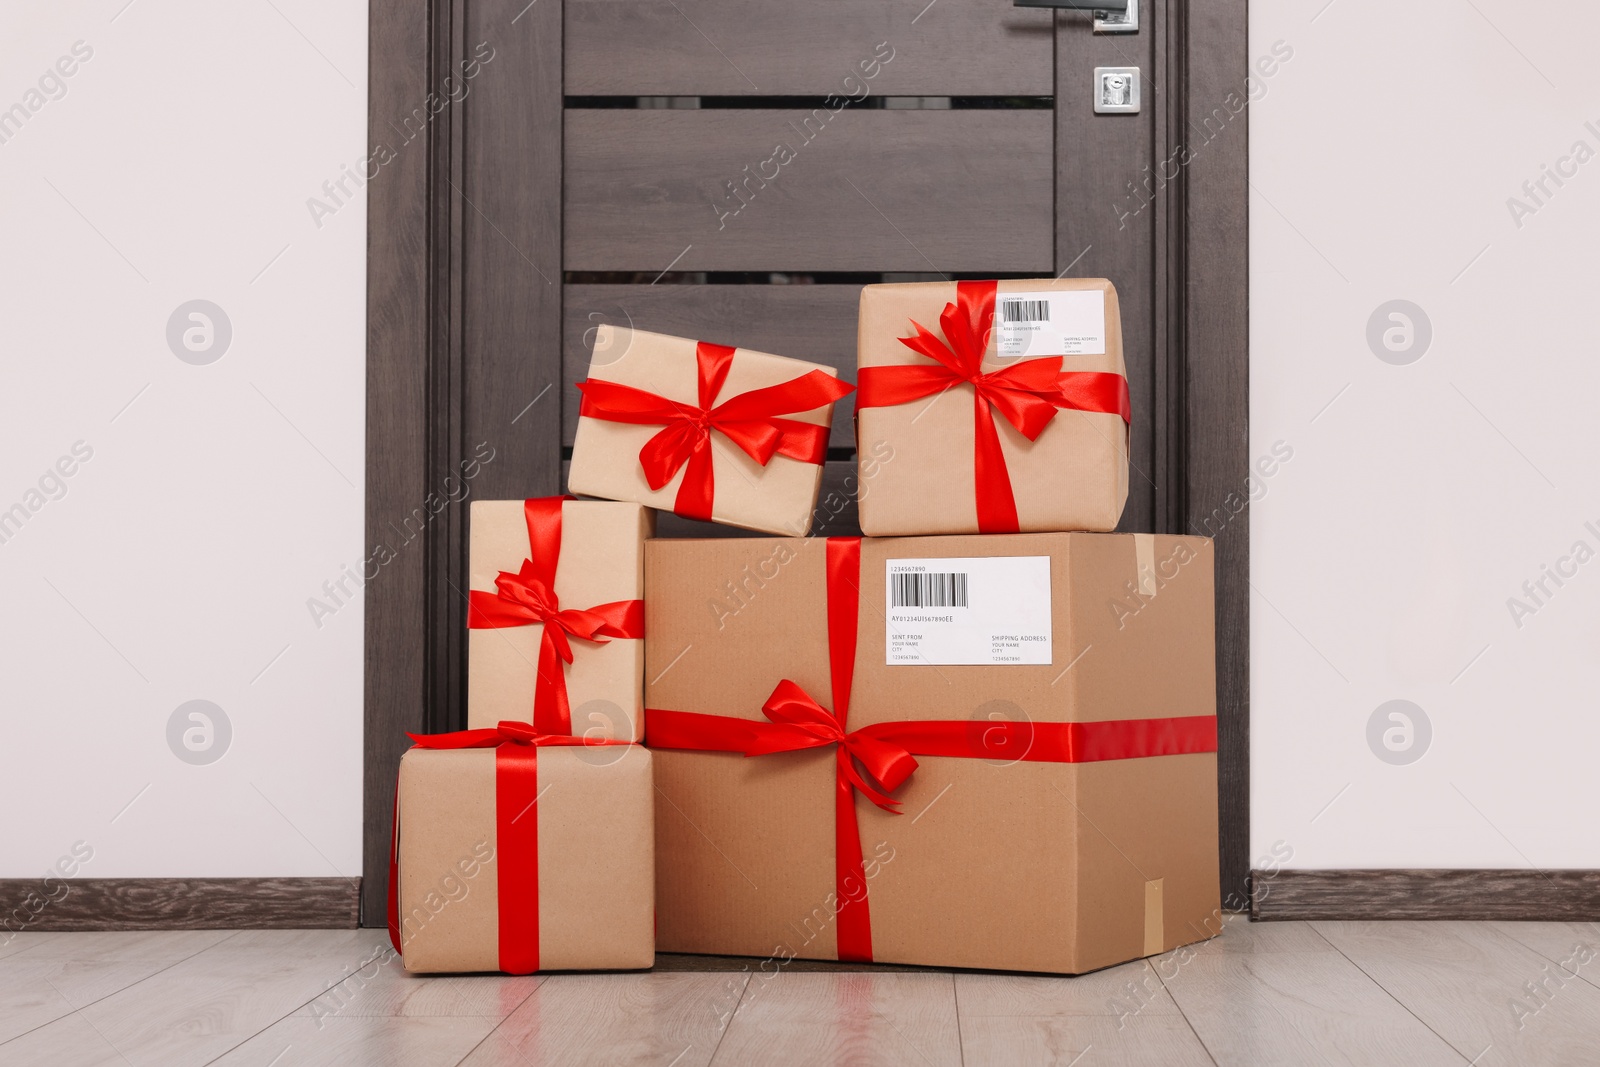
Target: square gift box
x=720, y=434
x=519, y=852
x=1004, y=405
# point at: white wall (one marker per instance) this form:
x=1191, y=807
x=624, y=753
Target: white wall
x=1420, y=497
x=175, y=563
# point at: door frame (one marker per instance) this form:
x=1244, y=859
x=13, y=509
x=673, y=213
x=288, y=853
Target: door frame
x=423, y=314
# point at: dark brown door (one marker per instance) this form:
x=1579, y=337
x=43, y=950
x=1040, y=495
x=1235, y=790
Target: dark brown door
x=736, y=171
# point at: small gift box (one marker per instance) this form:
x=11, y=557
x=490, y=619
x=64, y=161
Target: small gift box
x=968, y=751
x=1004, y=404
x=554, y=615
x=518, y=851
x=714, y=433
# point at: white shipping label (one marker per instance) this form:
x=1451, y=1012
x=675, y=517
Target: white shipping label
x=1070, y=322
x=964, y=611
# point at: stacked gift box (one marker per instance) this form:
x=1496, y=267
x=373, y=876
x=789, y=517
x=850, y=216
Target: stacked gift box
x=983, y=735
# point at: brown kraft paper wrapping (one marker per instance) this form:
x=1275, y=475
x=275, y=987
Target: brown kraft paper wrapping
x=1051, y=867
x=596, y=860
x=601, y=561
x=1073, y=477
x=778, y=498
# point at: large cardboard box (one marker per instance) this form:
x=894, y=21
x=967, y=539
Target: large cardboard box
x=549, y=868
x=710, y=432
x=1012, y=655
x=1045, y=445
x=572, y=566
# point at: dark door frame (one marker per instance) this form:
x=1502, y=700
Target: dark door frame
x=452, y=279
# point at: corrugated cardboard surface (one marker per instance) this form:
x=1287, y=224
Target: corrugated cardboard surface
x=1073, y=477
x=1017, y=866
x=596, y=860
x=778, y=498
x=601, y=561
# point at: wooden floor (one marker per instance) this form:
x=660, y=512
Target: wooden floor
x=1275, y=993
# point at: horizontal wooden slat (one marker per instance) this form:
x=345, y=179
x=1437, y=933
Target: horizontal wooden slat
x=738, y=48
x=1478, y=895
x=181, y=903
x=832, y=519
x=811, y=322
x=862, y=191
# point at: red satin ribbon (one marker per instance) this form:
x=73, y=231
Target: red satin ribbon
x=527, y=598
x=1028, y=394
x=877, y=759
x=750, y=420
x=516, y=791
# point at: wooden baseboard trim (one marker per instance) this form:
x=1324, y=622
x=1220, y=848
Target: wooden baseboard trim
x=28, y=904
x=1523, y=895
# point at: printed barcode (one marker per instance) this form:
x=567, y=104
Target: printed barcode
x=912, y=590
x=1026, y=310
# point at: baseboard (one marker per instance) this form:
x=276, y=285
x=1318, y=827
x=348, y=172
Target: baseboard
x=28, y=904
x=1555, y=896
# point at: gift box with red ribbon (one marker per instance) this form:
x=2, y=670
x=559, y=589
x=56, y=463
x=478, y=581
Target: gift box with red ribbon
x=521, y=851
x=709, y=432
x=966, y=751
x=554, y=615
x=1005, y=405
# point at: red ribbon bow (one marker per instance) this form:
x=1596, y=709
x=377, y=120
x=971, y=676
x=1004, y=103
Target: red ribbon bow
x=750, y=420
x=877, y=759
x=516, y=794
x=527, y=598
x=1027, y=394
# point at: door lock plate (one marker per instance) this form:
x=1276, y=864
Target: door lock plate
x=1116, y=90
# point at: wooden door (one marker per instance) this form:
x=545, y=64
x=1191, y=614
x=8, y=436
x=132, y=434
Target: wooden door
x=736, y=171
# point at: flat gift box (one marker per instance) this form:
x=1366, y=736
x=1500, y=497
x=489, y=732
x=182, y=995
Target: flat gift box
x=727, y=435
x=488, y=878
x=1056, y=690
x=529, y=557
x=965, y=464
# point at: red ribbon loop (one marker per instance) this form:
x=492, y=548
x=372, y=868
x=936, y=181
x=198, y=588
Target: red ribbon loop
x=527, y=597
x=1027, y=394
x=749, y=420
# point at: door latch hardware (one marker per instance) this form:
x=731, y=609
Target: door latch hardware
x=1116, y=90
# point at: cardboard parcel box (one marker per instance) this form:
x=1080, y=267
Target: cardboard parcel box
x=513, y=856
x=555, y=621
x=1040, y=709
x=707, y=431
x=1004, y=404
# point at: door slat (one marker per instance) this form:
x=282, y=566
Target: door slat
x=712, y=190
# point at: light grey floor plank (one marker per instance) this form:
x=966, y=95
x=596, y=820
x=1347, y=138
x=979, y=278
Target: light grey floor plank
x=13, y=943
x=362, y=1041
x=55, y=977
x=205, y=1005
x=1572, y=948
x=1083, y=1040
x=384, y=988
x=125, y=946
x=1132, y=988
x=1271, y=998
x=856, y=1018
x=1466, y=982
x=650, y=1020
x=68, y=1042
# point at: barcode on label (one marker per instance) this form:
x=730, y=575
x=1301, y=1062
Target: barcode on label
x=911, y=590
x=1025, y=310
